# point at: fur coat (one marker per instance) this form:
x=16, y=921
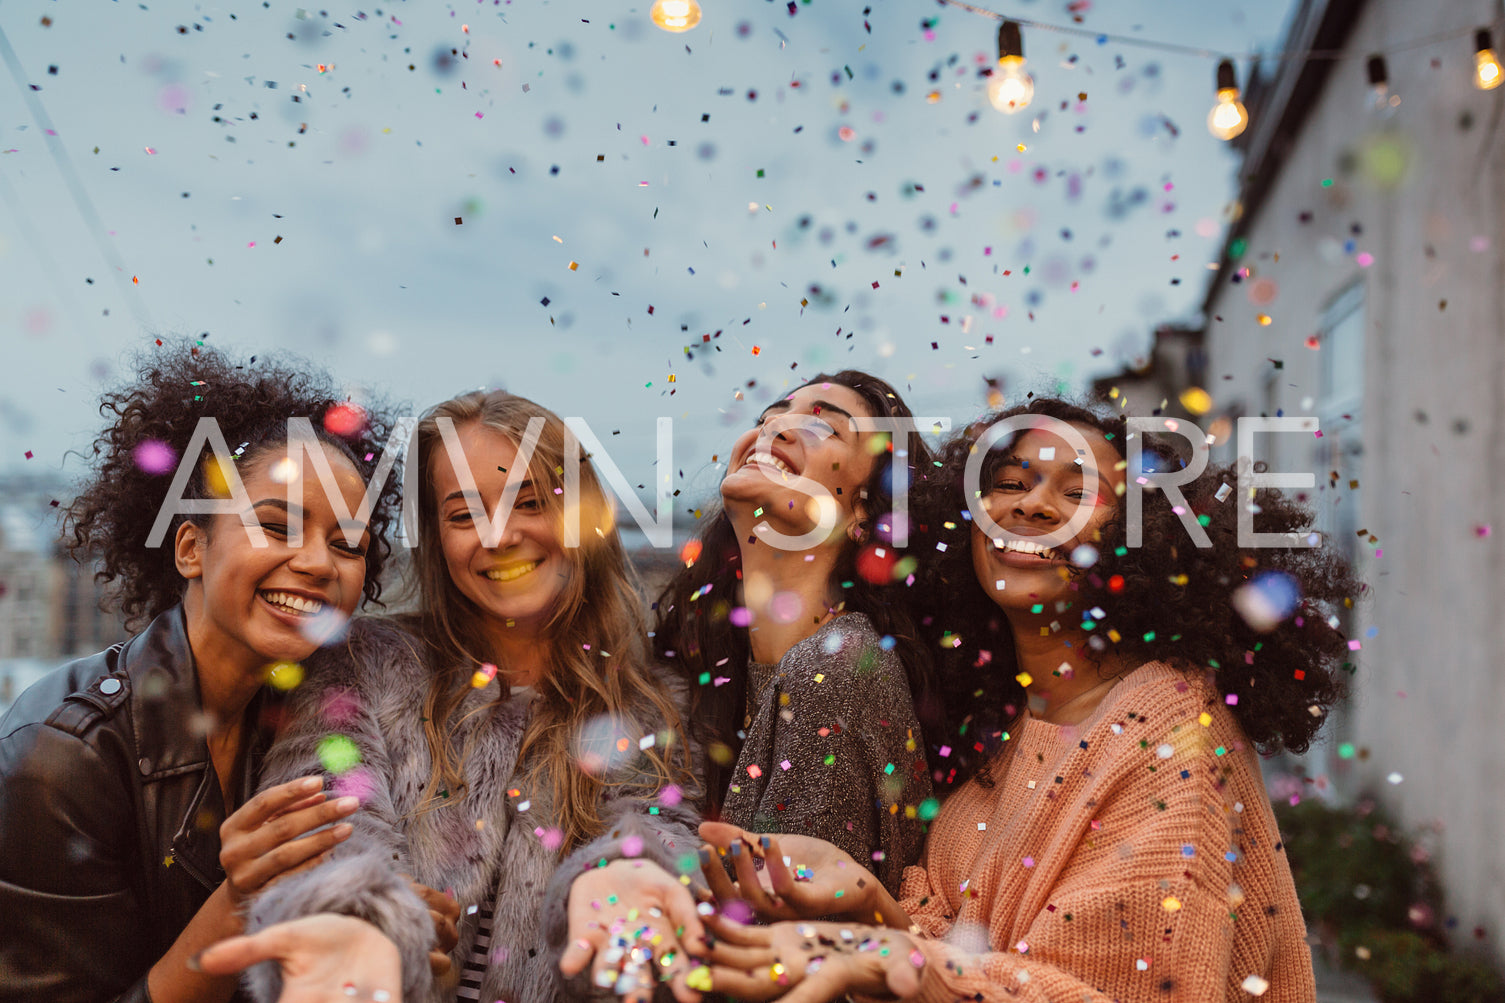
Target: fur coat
x=357, y=718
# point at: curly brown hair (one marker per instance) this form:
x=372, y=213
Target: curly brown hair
x=175, y=386
x=1167, y=600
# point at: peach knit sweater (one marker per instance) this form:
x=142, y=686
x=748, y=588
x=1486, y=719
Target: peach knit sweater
x=1130, y=857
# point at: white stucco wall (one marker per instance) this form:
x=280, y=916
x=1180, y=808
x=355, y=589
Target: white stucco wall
x=1430, y=692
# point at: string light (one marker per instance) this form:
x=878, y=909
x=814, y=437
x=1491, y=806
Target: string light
x=675, y=15
x=1228, y=117
x=1488, y=73
x=1010, y=88
x=1380, y=100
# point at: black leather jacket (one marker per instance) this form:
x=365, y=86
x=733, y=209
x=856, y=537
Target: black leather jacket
x=109, y=819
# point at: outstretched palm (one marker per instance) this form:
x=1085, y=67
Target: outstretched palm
x=787, y=876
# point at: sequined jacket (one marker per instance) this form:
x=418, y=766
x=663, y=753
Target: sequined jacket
x=109, y=820
x=833, y=749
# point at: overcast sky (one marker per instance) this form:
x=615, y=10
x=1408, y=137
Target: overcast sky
x=560, y=198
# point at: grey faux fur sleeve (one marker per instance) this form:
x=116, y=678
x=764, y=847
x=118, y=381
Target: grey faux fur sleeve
x=330, y=714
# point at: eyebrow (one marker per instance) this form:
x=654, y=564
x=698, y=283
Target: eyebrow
x=279, y=503
x=524, y=486
x=819, y=406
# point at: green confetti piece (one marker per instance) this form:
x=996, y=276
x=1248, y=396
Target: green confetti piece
x=338, y=754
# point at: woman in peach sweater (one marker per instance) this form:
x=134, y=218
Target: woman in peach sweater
x=1111, y=838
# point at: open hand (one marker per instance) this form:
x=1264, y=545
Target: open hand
x=325, y=958
x=800, y=878
x=637, y=926
x=812, y=962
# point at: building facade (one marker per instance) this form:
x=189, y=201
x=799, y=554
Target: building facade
x=1364, y=285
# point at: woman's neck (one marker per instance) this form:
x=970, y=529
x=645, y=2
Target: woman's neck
x=522, y=655
x=777, y=582
x=229, y=674
x=1066, y=683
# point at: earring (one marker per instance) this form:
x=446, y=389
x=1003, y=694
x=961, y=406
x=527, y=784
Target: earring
x=854, y=532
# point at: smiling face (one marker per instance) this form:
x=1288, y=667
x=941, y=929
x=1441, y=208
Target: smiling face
x=1032, y=494
x=769, y=460
x=516, y=584
x=249, y=606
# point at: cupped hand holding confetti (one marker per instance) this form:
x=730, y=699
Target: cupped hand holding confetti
x=637, y=926
x=784, y=877
x=810, y=962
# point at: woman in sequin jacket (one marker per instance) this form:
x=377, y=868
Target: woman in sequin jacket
x=791, y=626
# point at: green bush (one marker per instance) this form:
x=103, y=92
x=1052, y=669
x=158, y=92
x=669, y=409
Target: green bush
x=1372, y=901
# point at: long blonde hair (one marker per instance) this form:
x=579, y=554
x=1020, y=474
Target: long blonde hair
x=599, y=663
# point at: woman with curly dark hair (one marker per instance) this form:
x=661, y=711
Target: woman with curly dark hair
x=129, y=837
x=1115, y=840
x=807, y=669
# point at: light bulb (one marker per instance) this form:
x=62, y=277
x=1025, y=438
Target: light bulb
x=1010, y=88
x=1380, y=101
x=675, y=15
x=1488, y=74
x=1228, y=117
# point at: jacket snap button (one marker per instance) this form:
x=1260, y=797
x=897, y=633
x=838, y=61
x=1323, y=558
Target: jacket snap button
x=109, y=687
x=144, y=765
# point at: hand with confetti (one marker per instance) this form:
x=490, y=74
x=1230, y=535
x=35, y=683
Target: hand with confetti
x=637, y=926
x=789, y=876
x=811, y=962
x=324, y=958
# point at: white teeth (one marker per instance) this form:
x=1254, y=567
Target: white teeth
x=512, y=571
x=1026, y=547
x=290, y=603
x=769, y=460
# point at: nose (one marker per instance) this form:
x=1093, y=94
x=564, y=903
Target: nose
x=313, y=557
x=511, y=534
x=1036, y=505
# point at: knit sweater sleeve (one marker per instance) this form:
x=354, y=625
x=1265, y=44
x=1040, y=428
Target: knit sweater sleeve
x=335, y=726
x=1157, y=916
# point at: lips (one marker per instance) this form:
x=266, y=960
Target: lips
x=511, y=572
x=292, y=603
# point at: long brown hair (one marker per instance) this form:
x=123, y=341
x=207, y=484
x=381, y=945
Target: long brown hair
x=701, y=640
x=597, y=635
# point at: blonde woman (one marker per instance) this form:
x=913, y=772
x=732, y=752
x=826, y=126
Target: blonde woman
x=505, y=740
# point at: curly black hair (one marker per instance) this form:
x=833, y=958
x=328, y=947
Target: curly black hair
x=700, y=640
x=151, y=422
x=1166, y=600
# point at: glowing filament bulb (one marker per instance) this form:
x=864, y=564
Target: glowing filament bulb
x=1228, y=117
x=1010, y=88
x=675, y=15
x=1488, y=73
